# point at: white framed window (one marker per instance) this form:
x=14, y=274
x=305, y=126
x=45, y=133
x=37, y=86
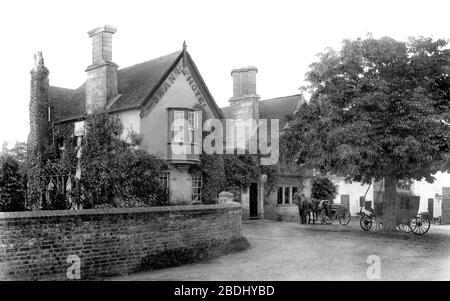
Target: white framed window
x=191, y=119
x=179, y=126
x=191, y=125
x=285, y=194
x=164, y=179
x=197, y=186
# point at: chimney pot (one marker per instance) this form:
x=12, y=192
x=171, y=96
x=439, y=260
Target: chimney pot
x=102, y=43
x=244, y=81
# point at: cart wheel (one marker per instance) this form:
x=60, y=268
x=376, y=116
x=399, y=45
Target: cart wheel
x=325, y=218
x=419, y=225
x=344, y=217
x=404, y=228
x=365, y=222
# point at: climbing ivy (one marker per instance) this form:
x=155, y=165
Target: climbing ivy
x=115, y=173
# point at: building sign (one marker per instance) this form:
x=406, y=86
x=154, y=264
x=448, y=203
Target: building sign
x=180, y=69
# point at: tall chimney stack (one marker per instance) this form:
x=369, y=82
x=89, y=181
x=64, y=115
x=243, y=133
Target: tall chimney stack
x=245, y=99
x=244, y=82
x=101, y=83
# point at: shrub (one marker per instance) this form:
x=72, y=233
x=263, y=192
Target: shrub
x=323, y=189
x=114, y=172
x=12, y=187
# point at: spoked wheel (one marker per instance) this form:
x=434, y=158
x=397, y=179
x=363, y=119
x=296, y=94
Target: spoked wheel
x=344, y=217
x=404, y=228
x=325, y=218
x=419, y=225
x=365, y=222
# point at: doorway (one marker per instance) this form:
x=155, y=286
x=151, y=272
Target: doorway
x=254, y=200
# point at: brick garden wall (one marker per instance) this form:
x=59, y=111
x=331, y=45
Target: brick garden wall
x=36, y=245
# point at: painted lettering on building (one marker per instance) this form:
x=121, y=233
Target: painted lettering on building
x=168, y=82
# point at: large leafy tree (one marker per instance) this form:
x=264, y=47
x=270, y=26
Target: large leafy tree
x=379, y=110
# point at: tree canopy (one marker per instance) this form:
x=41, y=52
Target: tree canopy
x=379, y=110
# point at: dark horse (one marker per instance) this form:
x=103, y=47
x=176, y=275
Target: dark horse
x=310, y=206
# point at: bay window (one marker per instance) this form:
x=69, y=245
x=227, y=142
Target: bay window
x=178, y=126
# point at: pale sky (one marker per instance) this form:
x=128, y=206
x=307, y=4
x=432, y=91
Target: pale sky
x=280, y=37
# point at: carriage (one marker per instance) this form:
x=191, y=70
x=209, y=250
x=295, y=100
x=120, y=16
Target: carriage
x=408, y=217
x=338, y=212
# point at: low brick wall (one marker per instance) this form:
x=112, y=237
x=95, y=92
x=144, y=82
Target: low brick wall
x=37, y=245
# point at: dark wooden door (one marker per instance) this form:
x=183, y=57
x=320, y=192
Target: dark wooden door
x=253, y=200
x=345, y=200
x=431, y=207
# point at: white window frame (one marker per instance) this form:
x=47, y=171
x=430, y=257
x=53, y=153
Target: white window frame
x=283, y=194
x=197, y=183
x=191, y=126
x=179, y=126
x=164, y=179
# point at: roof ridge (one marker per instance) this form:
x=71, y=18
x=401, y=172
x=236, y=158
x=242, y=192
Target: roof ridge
x=58, y=87
x=299, y=94
x=153, y=59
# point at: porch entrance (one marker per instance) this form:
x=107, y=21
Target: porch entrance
x=254, y=201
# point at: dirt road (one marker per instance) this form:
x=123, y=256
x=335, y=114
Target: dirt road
x=290, y=251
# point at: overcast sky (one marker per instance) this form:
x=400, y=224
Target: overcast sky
x=280, y=37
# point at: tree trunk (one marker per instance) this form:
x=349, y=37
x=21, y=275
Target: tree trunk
x=390, y=204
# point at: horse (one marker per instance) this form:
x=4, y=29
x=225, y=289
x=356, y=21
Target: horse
x=306, y=208
x=312, y=206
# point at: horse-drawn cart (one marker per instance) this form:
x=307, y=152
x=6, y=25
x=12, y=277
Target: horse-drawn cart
x=336, y=211
x=408, y=218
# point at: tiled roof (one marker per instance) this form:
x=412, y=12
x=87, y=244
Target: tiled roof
x=134, y=84
x=274, y=108
x=61, y=105
x=280, y=108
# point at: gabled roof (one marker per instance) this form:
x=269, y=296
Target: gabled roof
x=275, y=108
x=135, y=84
x=137, y=81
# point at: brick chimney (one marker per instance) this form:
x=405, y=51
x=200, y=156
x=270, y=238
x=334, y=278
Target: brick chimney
x=245, y=100
x=101, y=83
